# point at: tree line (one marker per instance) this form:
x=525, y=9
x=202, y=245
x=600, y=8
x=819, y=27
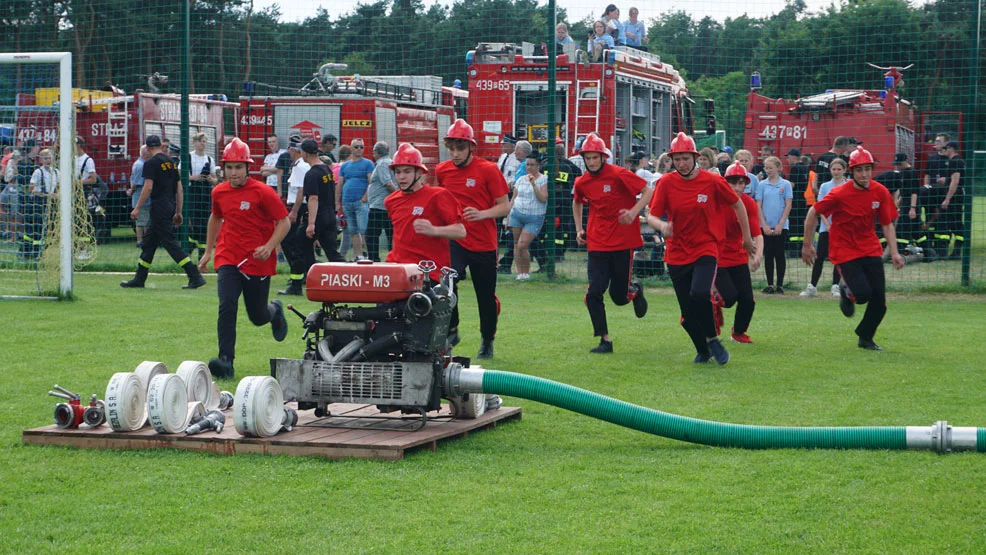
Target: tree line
x=797, y=52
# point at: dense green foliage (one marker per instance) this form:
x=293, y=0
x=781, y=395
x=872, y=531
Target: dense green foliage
x=797, y=51
x=553, y=482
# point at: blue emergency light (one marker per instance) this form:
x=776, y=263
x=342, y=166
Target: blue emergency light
x=888, y=82
x=755, y=81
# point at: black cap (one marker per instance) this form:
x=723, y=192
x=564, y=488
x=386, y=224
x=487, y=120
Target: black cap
x=952, y=144
x=309, y=146
x=900, y=158
x=794, y=152
x=174, y=149
x=509, y=139
x=294, y=141
x=152, y=141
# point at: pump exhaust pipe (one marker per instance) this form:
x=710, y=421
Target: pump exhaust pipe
x=940, y=436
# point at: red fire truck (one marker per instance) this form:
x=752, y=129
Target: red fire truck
x=394, y=109
x=114, y=128
x=629, y=98
x=882, y=120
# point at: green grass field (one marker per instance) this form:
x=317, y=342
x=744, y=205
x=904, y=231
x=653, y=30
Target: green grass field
x=553, y=482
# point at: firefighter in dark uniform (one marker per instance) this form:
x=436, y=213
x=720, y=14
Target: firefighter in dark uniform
x=952, y=208
x=319, y=215
x=564, y=184
x=162, y=185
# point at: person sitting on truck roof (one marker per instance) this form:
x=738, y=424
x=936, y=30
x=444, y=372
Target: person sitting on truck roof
x=613, y=26
x=599, y=41
x=635, y=31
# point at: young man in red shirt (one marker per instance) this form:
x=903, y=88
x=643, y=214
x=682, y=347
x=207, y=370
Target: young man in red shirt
x=480, y=189
x=612, y=235
x=733, y=280
x=247, y=223
x=854, y=247
x=425, y=218
x=693, y=201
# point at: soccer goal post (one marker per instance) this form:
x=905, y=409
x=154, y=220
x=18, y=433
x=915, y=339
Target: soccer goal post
x=64, y=138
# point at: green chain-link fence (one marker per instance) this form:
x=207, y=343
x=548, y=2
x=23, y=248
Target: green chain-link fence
x=791, y=77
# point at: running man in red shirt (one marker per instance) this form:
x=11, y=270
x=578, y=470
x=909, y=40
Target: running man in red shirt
x=733, y=279
x=612, y=235
x=424, y=218
x=854, y=247
x=247, y=223
x=693, y=200
x=482, y=193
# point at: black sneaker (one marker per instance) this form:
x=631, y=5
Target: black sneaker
x=719, y=352
x=603, y=347
x=293, y=288
x=779, y=290
x=132, y=284
x=869, y=345
x=221, y=368
x=639, y=302
x=278, y=323
x=485, y=350
x=194, y=283
x=769, y=290
x=846, y=304
x=702, y=358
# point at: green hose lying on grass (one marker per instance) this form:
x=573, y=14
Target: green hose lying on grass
x=940, y=436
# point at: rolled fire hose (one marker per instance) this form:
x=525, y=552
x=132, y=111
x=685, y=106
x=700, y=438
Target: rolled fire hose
x=258, y=408
x=126, y=402
x=168, y=407
x=199, y=384
x=940, y=436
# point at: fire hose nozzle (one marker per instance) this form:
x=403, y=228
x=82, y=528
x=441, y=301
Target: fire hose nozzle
x=61, y=395
x=213, y=420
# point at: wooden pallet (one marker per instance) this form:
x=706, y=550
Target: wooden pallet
x=346, y=434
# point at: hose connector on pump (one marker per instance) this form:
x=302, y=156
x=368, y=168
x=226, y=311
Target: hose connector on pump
x=458, y=381
x=941, y=438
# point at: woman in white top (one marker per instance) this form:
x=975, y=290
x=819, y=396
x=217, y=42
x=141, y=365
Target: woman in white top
x=530, y=203
x=640, y=165
x=838, y=169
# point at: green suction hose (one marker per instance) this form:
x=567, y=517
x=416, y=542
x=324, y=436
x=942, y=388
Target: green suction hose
x=940, y=436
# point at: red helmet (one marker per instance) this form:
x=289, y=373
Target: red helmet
x=737, y=170
x=683, y=144
x=859, y=157
x=461, y=130
x=236, y=151
x=407, y=155
x=593, y=143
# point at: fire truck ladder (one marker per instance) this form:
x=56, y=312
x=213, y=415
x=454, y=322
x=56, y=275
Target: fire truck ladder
x=587, y=123
x=117, y=128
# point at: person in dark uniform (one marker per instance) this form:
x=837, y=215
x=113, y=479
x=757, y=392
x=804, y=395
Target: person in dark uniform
x=246, y=223
x=162, y=184
x=901, y=181
x=934, y=184
x=319, y=215
x=853, y=243
x=297, y=248
x=565, y=177
x=951, y=222
x=838, y=150
x=329, y=143
x=798, y=176
x=612, y=234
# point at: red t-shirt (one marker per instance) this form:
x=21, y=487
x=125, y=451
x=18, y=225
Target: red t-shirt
x=853, y=210
x=248, y=214
x=731, y=251
x=694, y=207
x=434, y=204
x=478, y=184
x=611, y=190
